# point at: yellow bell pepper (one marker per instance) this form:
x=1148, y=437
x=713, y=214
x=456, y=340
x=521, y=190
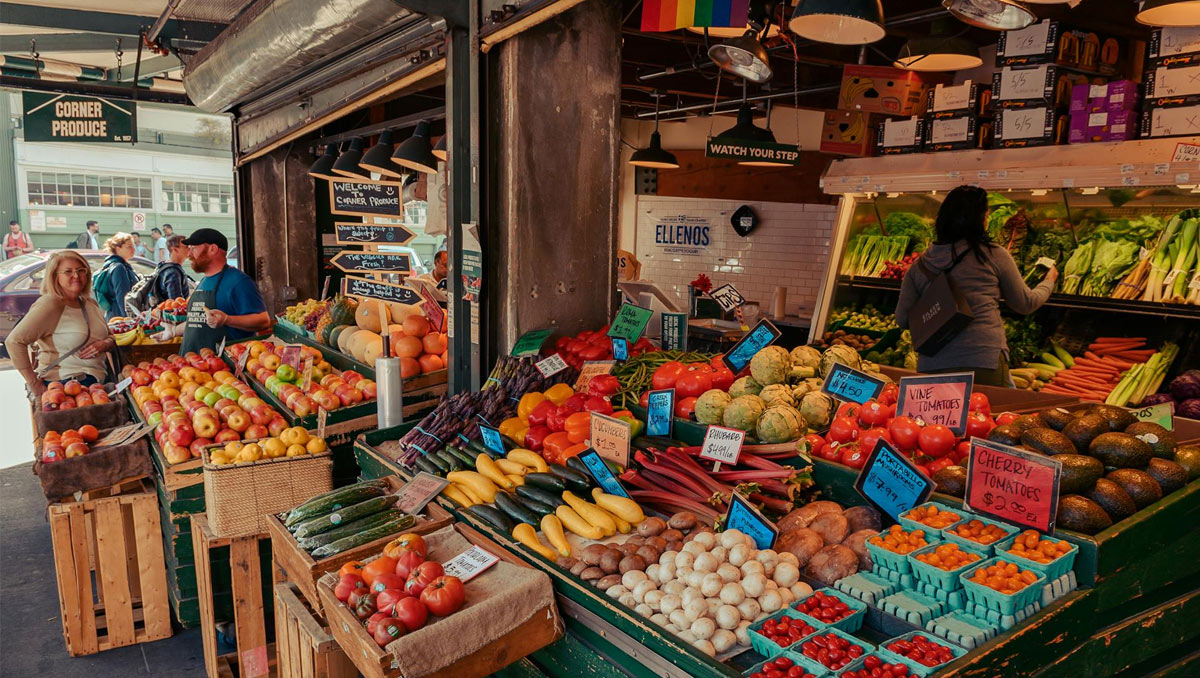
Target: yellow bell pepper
x=510, y=426
x=559, y=393
x=527, y=403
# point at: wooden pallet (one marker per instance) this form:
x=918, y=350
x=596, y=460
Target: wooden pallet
x=304, y=647
x=123, y=486
x=117, y=542
x=227, y=665
x=249, y=621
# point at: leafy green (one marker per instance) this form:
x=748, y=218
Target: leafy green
x=1111, y=261
x=1077, y=267
x=917, y=228
x=1139, y=229
x=1052, y=239
x=1024, y=337
x=1007, y=223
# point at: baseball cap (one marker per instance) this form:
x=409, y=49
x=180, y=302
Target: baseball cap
x=207, y=236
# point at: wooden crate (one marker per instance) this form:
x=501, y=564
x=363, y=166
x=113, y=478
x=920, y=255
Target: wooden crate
x=303, y=570
x=303, y=646
x=117, y=543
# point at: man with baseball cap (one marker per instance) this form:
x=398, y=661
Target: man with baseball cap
x=226, y=303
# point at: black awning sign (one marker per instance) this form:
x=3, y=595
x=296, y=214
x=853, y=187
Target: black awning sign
x=71, y=117
x=374, y=289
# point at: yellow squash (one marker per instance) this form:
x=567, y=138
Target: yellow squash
x=626, y=509
x=592, y=513
x=457, y=496
x=525, y=534
x=573, y=522
x=529, y=458
x=480, y=485
x=488, y=469
x=552, y=527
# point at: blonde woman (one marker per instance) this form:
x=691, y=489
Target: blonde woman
x=63, y=319
x=116, y=277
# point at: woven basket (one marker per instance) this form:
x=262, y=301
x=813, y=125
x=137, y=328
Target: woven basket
x=239, y=497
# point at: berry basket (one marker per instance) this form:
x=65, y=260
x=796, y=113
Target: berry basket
x=947, y=580
x=1053, y=569
x=806, y=664
x=867, y=648
x=994, y=600
x=861, y=663
x=769, y=648
x=894, y=561
x=917, y=667
x=850, y=623
x=932, y=534
x=985, y=550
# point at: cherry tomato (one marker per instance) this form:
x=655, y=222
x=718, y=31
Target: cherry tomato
x=870, y=437
x=904, y=432
x=692, y=383
x=980, y=403
x=666, y=374
x=872, y=413
x=843, y=429
x=936, y=440
x=890, y=394
x=685, y=407
x=853, y=456
x=979, y=425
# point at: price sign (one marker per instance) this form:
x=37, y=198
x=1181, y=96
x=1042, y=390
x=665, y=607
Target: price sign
x=850, y=385
x=530, y=343
x=1027, y=41
x=592, y=368
x=891, y=482
x=674, y=331
x=940, y=399
x=1162, y=414
x=722, y=444
x=727, y=297
x=1023, y=123
x=433, y=310
x=620, y=349
x=1185, y=152
x=610, y=438
x=1023, y=83
x=308, y=369
x=122, y=434
x=744, y=517
x=763, y=335
x=121, y=386
x=659, y=407
x=241, y=363
x=551, y=365
x=419, y=491
x=492, y=438
x=291, y=355
x=1012, y=485
x=221, y=347
x=630, y=322
x=322, y=417
x=469, y=564
x=602, y=473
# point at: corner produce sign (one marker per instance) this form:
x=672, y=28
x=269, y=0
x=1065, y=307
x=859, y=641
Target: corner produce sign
x=375, y=289
x=419, y=491
x=850, y=385
x=1012, y=485
x=940, y=399
x=891, y=482
x=367, y=199
x=354, y=233
x=69, y=117
x=763, y=335
x=744, y=517
x=610, y=438
x=371, y=262
x=630, y=322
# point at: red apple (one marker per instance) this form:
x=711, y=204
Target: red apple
x=304, y=406
x=141, y=377
x=206, y=426
x=238, y=420
x=226, y=435
x=215, y=364
x=276, y=425
x=255, y=432
x=181, y=434
x=262, y=414
x=221, y=404
x=351, y=376
x=198, y=445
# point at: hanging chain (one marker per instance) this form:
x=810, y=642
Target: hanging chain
x=796, y=92
x=712, y=118
x=119, y=53
x=37, y=58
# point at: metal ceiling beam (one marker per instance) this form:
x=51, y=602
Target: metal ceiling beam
x=394, y=124
x=150, y=68
x=104, y=22
x=453, y=11
x=61, y=42
x=732, y=104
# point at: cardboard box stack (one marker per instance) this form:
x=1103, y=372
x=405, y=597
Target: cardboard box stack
x=868, y=91
x=1106, y=112
x=1172, y=101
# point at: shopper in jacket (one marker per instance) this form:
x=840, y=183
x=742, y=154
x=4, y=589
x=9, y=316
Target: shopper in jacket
x=87, y=240
x=115, y=277
x=64, y=318
x=170, y=280
x=985, y=274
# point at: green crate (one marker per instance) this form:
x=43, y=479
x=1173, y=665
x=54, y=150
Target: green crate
x=850, y=623
x=917, y=667
x=947, y=580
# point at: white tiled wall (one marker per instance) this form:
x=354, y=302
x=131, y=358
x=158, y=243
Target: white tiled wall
x=789, y=248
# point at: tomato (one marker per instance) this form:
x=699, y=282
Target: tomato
x=381, y=565
x=924, y=470
x=936, y=440
x=962, y=451
x=890, y=394
x=693, y=383
x=723, y=378
x=843, y=429
x=813, y=443
x=718, y=362
x=347, y=584
x=352, y=567
x=595, y=352
x=848, y=410
x=411, y=612
x=389, y=580
x=904, y=432
x=444, y=595
x=406, y=542
x=387, y=598
x=853, y=456
x=1005, y=418
x=374, y=621
x=830, y=451
x=870, y=437
x=419, y=578
x=684, y=408
x=939, y=464
x=979, y=425
x=980, y=403
x=644, y=400
x=873, y=413
x=666, y=374
x=366, y=605
x=388, y=630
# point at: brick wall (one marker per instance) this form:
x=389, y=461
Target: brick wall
x=789, y=247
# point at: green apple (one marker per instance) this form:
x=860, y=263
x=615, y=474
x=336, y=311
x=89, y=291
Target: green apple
x=201, y=392
x=286, y=373
x=211, y=398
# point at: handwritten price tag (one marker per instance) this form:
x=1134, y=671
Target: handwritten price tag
x=602, y=473
x=592, y=368
x=470, y=563
x=850, y=385
x=610, y=438
x=1012, y=485
x=308, y=370
x=659, y=407
x=744, y=517
x=940, y=399
x=722, y=444
x=121, y=386
x=1162, y=414
x=291, y=355
x=419, y=491
x=551, y=365
x=530, y=343
x=322, y=417
x=891, y=482
x=630, y=322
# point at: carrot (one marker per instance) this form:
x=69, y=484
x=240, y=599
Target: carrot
x=1088, y=383
x=1114, y=348
x=1117, y=340
x=1140, y=356
x=1097, y=365
x=1090, y=356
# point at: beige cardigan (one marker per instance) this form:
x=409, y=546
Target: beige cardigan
x=44, y=325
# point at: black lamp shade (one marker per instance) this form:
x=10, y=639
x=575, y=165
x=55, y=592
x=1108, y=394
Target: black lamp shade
x=839, y=22
x=323, y=167
x=994, y=15
x=439, y=151
x=1170, y=13
x=938, y=54
x=744, y=57
x=745, y=129
x=379, y=158
x=347, y=163
x=415, y=153
x=654, y=155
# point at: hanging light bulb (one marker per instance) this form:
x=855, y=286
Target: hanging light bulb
x=994, y=15
x=744, y=57
x=347, y=163
x=323, y=167
x=379, y=158
x=439, y=151
x=415, y=151
x=1169, y=13
x=938, y=53
x=654, y=155
x=839, y=22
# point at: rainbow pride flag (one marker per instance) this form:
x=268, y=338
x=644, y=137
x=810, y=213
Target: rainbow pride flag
x=669, y=15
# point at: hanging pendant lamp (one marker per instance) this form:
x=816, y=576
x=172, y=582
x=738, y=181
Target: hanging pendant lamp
x=767, y=135
x=654, y=155
x=1169, y=13
x=323, y=167
x=347, y=163
x=938, y=53
x=839, y=22
x=725, y=32
x=994, y=15
x=744, y=57
x=415, y=152
x=439, y=151
x=379, y=158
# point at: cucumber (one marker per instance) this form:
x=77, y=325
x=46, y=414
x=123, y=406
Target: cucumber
x=467, y=460
x=576, y=482
x=443, y=467
x=477, y=446
x=540, y=495
x=335, y=499
x=427, y=466
x=493, y=516
x=576, y=464
x=364, y=537
x=352, y=528
x=536, y=506
x=548, y=481
x=516, y=510
x=344, y=515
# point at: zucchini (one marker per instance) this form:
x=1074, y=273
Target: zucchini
x=576, y=481
x=443, y=467
x=335, y=499
x=494, y=517
x=576, y=464
x=467, y=461
x=310, y=543
x=344, y=515
x=427, y=466
x=477, y=446
x=516, y=510
x=450, y=460
x=540, y=495
x=536, y=506
x=363, y=537
x=509, y=444
x=548, y=481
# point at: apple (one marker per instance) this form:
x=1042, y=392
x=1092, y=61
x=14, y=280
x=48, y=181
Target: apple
x=351, y=376
x=211, y=398
x=175, y=417
x=141, y=377
x=276, y=425
x=75, y=450
x=198, y=445
x=286, y=373
x=222, y=375
x=154, y=418
x=169, y=378
x=73, y=387
x=326, y=400
x=222, y=403
x=367, y=388
x=215, y=364
x=201, y=392
x=228, y=391
x=228, y=410
x=206, y=352
x=257, y=348
x=346, y=394
x=262, y=414
x=152, y=406
x=192, y=407
x=304, y=406
x=176, y=454
x=181, y=434
x=238, y=420
x=83, y=400
x=256, y=432
x=206, y=426
x=270, y=361
x=156, y=371
x=227, y=435
x=329, y=380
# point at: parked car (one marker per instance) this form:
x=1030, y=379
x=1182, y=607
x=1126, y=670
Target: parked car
x=21, y=282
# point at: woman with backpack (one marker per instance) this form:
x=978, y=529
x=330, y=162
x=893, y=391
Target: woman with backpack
x=984, y=273
x=115, y=278
x=169, y=281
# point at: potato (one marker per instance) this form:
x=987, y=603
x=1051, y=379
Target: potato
x=578, y=567
x=610, y=562
x=647, y=553
x=832, y=563
x=671, y=535
x=629, y=549
x=802, y=543
x=857, y=542
x=608, y=581
x=651, y=527
x=634, y=562
x=658, y=543
x=833, y=527
x=591, y=574
x=592, y=554
x=804, y=515
x=684, y=520
x=863, y=518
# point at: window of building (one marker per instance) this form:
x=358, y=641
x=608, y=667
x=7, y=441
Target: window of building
x=197, y=198
x=66, y=189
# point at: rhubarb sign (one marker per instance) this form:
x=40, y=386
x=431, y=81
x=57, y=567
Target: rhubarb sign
x=753, y=151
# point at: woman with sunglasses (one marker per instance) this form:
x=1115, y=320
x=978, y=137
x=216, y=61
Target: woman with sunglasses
x=67, y=326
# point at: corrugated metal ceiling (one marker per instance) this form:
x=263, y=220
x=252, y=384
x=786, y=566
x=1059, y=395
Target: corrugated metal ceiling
x=222, y=11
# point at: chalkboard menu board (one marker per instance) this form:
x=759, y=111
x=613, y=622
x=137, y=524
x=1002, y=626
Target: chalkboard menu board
x=374, y=289
x=363, y=198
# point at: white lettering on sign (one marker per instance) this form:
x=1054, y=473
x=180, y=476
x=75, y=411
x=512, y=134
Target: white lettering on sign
x=469, y=564
x=722, y=444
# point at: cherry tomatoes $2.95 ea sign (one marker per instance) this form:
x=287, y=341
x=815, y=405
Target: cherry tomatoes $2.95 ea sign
x=1012, y=485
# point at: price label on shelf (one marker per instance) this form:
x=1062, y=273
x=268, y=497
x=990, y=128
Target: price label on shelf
x=308, y=371
x=660, y=405
x=891, y=482
x=1027, y=41
x=761, y=336
x=610, y=438
x=530, y=343
x=742, y=516
x=1162, y=414
x=551, y=366
x=416, y=493
x=291, y=355
x=1185, y=152
x=469, y=564
x=1130, y=181
x=1012, y=485
x=121, y=386
x=630, y=322
x=322, y=417
x=939, y=399
x=604, y=476
x=850, y=385
x=722, y=444
x=1023, y=83
x=1127, y=168
x=620, y=349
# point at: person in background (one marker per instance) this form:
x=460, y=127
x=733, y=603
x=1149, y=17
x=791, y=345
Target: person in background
x=436, y=279
x=87, y=239
x=16, y=242
x=984, y=273
x=139, y=250
x=63, y=319
x=170, y=280
x=226, y=303
x=168, y=230
x=115, y=277
x=160, y=245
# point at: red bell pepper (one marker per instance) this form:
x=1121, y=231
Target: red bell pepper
x=558, y=417
x=536, y=437
x=576, y=402
x=598, y=404
x=553, y=447
x=539, y=414
x=603, y=385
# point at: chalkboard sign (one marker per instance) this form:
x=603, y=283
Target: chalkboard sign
x=891, y=482
x=850, y=385
x=366, y=198
x=763, y=335
x=371, y=262
x=742, y=516
x=354, y=233
x=374, y=289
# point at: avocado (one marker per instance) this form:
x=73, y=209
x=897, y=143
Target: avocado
x=1120, y=450
x=1188, y=456
x=1056, y=417
x=1081, y=514
x=1027, y=421
x=1115, y=501
x=1083, y=429
x=1169, y=475
x=1141, y=486
x=1160, y=440
x=1117, y=417
x=951, y=480
x=1005, y=435
x=1079, y=472
x=1047, y=441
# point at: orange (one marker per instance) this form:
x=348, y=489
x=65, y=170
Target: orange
x=408, y=347
x=416, y=326
x=430, y=363
x=409, y=367
x=381, y=565
x=352, y=567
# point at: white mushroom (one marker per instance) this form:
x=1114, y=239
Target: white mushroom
x=786, y=574
x=719, y=552
x=728, y=617
x=754, y=584
x=696, y=609
x=667, y=557
x=632, y=578
x=752, y=566
x=679, y=619
x=723, y=640
x=705, y=646
x=652, y=572
x=705, y=539
x=738, y=555
x=670, y=603
x=616, y=591
x=674, y=588
x=684, y=559
x=749, y=608
x=801, y=590
x=732, y=537
x=654, y=599
x=728, y=573
x=742, y=632
x=644, y=610
x=640, y=591
x=711, y=584
x=705, y=562
x=770, y=602
x=703, y=628
x=732, y=594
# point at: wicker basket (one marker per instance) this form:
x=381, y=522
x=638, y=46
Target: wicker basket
x=239, y=497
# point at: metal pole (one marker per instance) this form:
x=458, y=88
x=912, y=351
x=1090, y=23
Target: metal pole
x=734, y=104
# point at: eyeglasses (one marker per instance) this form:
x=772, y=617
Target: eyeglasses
x=75, y=272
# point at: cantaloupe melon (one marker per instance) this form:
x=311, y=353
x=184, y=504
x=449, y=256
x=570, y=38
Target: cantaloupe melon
x=343, y=338
x=402, y=311
x=358, y=343
x=372, y=349
x=372, y=314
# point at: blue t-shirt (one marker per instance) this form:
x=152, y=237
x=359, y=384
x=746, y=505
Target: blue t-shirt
x=236, y=295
